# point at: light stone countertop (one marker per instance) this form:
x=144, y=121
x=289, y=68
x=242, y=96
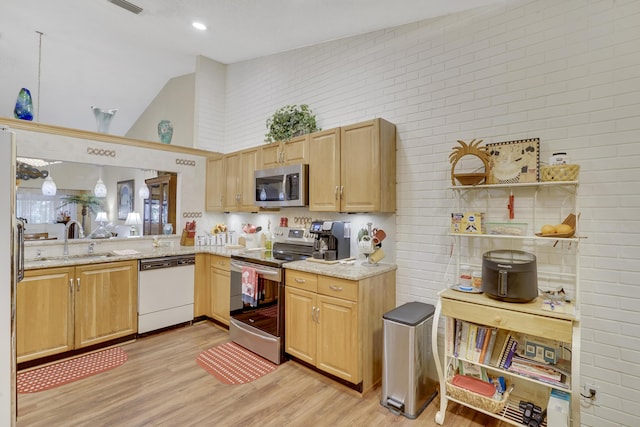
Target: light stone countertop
x=355, y=271
x=105, y=251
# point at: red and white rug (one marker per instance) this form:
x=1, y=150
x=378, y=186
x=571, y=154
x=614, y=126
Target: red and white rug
x=231, y=363
x=60, y=373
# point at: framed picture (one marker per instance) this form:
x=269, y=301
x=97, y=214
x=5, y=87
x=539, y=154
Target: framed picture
x=514, y=162
x=125, y=198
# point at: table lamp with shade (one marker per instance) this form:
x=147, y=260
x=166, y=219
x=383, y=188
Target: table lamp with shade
x=101, y=232
x=133, y=219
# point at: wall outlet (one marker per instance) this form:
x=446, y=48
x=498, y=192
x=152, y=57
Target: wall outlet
x=590, y=394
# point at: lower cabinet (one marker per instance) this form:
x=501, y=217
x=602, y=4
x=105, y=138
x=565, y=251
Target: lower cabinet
x=212, y=292
x=66, y=308
x=220, y=278
x=336, y=324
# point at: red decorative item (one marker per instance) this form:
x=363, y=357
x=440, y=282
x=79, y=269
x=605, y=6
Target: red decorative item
x=511, y=207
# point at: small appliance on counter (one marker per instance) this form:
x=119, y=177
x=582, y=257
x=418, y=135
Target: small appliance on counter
x=332, y=240
x=510, y=275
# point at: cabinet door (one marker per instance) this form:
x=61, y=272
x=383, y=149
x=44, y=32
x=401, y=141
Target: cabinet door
x=337, y=324
x=44, y=313
x=324, y=171
x=249, y=163
x=105, y=302
x=232, y=175
x=295, y=151
x=300, y=328
x=220, y=295
x=360, y=167
x=202, y=287
x=271, y=155
x=214, y=186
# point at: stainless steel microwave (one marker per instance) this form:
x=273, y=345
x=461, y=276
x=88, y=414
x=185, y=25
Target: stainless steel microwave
x=283, y=186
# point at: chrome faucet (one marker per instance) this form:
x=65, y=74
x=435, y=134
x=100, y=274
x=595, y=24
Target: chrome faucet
x=65, y=251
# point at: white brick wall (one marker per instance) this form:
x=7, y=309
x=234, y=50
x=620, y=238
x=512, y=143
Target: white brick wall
x=567, y=72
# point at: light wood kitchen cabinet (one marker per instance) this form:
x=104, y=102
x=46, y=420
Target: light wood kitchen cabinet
x=44, y=313
x=335, y=324
x=323, y=330
x=106, y=302
x=294, y=151
x=202, y=290
x=66, y=308
x=239, y=191
x=220, y=288
x=215, y=185
x=355, y=170
x=212, y=287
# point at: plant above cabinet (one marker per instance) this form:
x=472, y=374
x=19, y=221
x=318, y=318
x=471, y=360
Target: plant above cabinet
x=290, y=121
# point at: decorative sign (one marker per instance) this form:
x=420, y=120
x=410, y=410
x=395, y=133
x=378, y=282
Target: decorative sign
x=513, y=162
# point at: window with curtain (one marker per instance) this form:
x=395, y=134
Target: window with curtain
x=36, y=208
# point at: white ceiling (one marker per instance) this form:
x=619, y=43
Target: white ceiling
x=96, y=53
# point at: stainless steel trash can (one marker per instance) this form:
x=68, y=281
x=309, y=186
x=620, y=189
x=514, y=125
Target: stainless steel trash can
x=409, y=378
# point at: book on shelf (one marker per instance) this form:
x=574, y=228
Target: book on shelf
x=508, y=350
x=470, y=341
x=555, y=374
x=488, y=349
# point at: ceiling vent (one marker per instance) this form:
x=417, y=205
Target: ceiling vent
x=126, y=5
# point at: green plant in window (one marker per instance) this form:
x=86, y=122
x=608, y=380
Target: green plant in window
x=290, y=121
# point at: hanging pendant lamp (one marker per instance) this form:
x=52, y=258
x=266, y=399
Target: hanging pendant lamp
x=49, y=187
x=100, y=190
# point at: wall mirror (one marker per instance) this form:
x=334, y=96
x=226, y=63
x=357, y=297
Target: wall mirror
x=47, y=217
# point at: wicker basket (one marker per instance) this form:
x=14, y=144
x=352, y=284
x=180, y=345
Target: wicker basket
x=559, y=173
x=485, y=403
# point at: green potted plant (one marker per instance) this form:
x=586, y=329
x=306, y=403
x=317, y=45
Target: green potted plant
x=89, y=203
x=290, y=121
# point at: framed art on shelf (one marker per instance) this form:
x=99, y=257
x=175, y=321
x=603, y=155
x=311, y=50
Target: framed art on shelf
x=125, y=198
x=513, y=162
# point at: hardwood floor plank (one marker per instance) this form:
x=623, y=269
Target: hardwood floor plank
x=162, y=385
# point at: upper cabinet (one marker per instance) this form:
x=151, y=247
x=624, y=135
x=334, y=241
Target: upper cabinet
x=353, y=168
x=214, y=188
x=291, y=152
x=238, y=169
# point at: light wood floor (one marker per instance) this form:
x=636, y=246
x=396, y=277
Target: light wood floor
x=161, y=384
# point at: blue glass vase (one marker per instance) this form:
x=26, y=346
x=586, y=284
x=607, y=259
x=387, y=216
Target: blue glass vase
x=24, y=105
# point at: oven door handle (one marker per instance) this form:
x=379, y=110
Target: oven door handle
x=238, y=268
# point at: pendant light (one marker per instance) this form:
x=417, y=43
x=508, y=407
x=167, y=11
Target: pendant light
x=143, y=192
x=100, y=190
x=49, y=187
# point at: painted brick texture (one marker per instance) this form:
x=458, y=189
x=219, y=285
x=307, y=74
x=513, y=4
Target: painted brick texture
x=567, y=72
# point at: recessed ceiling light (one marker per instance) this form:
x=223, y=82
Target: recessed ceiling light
x=199, y=26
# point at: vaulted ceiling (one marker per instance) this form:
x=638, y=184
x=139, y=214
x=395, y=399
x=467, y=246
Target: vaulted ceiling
x=97, y=53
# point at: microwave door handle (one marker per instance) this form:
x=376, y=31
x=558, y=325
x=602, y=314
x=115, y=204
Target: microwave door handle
x=285, y=190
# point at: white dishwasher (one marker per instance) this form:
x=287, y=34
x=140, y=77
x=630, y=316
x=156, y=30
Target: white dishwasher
x=165, y=292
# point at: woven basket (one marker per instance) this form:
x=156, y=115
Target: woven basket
x=486, y=403
x=559, y=173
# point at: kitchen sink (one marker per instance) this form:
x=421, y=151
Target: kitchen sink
x=71, y=257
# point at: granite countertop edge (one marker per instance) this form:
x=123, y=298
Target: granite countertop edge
x=354, y=271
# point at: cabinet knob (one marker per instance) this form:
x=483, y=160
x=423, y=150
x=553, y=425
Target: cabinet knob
x=497, y=319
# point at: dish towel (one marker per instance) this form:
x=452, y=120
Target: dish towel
x=250, y=286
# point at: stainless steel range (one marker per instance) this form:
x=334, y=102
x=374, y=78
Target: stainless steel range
x=257, y=293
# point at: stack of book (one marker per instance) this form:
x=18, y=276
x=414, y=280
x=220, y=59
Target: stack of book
x=470, y=341
x=556, y=374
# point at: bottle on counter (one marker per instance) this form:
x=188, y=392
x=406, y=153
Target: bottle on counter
x=268, y=244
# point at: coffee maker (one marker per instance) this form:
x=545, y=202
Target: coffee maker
x=332, y=239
